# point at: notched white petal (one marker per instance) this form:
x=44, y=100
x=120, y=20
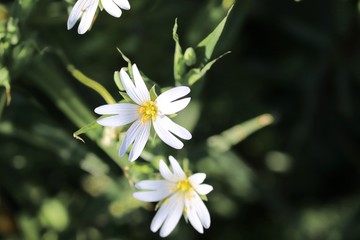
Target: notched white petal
x=203, y=189
x=201, y=211
x=88, y=16
x=197, y=178
x=164, y=134
x=151, y=184
x=111, y=8
x=129, y=137
x=124, y=4
x=140, y=140
x=118, y=108
x=193, y=217
x=162, y=213
x=140, y=84
x=173, y=107
x=178, y=171
x=130, y=87
x=151, y=196
x=165, y=172
x=117, y=120
x=75, y=13
x=173, y=217
x=175, y=128
x=172, y=94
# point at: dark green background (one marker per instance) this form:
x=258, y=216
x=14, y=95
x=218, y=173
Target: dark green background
x=299, y=61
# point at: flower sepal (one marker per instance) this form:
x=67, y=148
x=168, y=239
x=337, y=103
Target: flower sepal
x=126, y=97
x=118, y=81
x=101, y=6
x=203, y=197
x=153, y=94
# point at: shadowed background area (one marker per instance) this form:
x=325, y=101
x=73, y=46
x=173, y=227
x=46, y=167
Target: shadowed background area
x=296, y=60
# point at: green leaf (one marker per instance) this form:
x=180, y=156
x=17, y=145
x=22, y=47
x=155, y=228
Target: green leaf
x=206, y=47
x=179, y=65
x=85, y=129
x=196, y=74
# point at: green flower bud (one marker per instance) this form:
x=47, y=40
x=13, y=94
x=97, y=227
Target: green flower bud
x=190, y=57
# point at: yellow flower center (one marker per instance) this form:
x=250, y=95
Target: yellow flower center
x=148, y=111
x=183, y=186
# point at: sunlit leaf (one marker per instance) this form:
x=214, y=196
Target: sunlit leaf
x=206, y=47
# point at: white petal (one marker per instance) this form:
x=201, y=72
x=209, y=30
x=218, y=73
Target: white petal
x=140, y=141
x=140, y=85
x=172, y=94
x=162, y=213
x=111, y=8
x=76, y=13
x=202, y=211
x=197, y=179
x=192, y=216
x=88, y=17
x=173, y=216
x=117, y=120
x=165, y=172
x=151, y=184
x=151, y=196
x=178, y=171
x=203, y=189
x=176, y=128
x=130, y=87
x=124, y=4
x=118, y=108
x=127, y=113
x=162, y=131
x=132, y=132
x=173, y=107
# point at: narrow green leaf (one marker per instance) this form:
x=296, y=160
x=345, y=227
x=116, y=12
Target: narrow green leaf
x=85, y=129
x=196, y=74
x=179, y=65
x=206, y=47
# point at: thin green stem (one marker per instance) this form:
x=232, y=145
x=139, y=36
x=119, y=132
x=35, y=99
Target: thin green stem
x=97, y=87
x=91, y=84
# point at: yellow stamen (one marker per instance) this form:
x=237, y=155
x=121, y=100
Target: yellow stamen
x=148, y=111
x=183, y=186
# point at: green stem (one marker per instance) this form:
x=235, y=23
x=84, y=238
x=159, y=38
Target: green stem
x=91, y=84
x=97, y=87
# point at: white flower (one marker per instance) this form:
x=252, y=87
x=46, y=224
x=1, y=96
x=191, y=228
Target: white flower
x=85, y=9
x=145, y=112
x=180, y=194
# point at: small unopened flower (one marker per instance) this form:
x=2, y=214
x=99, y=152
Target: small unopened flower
x=179, y=195
x=86, y=9
x=145, y=112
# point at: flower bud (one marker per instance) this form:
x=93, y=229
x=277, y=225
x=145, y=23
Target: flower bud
x=190, y=57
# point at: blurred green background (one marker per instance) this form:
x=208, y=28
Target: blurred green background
x=296, y=179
